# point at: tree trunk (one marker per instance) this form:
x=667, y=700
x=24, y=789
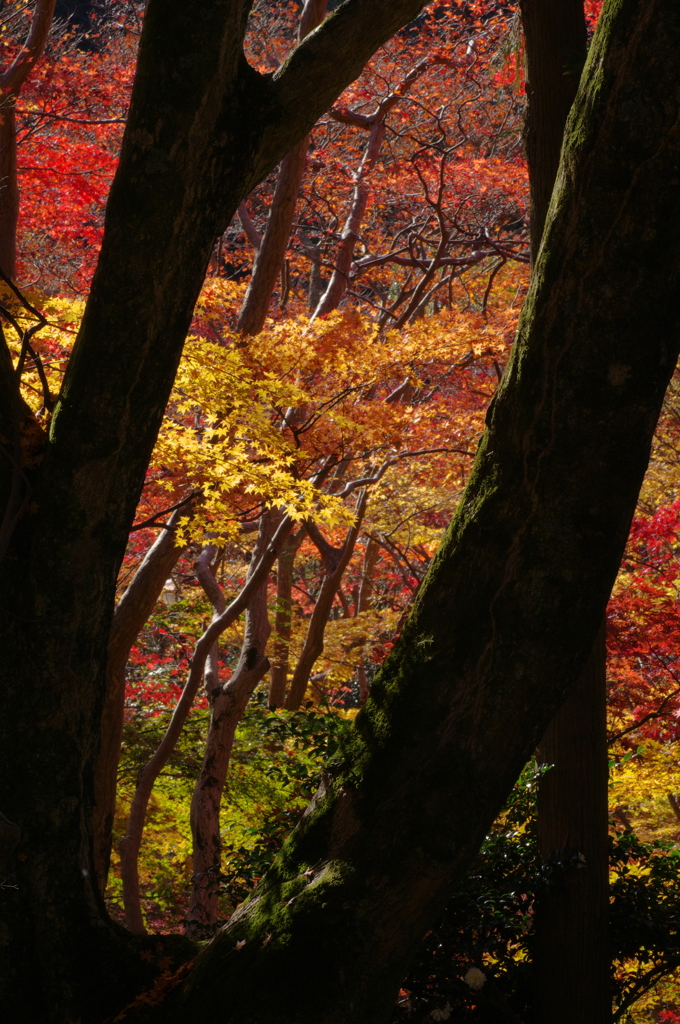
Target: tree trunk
x=269, y=258
x=132, y=611
x=278, y=675
x=11, y=83
x=555, y=35
x=312, y=649
x=572, y=965
x=229, y=703
x=571, y=946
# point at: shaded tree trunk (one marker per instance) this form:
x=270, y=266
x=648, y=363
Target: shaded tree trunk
x=571, y=947
x=555, y=36
x=572, y=963
x=132, y=611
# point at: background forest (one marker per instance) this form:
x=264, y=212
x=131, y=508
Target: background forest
x=356, y=319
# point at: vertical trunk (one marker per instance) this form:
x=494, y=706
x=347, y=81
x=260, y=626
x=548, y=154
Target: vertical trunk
x=11, y=82
x=364, y=601
x=555, y=36
x=229, y=703
x=572, y=965
x=132, y=611
x=269, y=259
x=572, y=957
x=9, y=188
x=278, y=676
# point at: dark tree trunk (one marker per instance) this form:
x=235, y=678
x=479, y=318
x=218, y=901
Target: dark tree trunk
x=572, y=966
x=269, y=258
x=132, y=611
x=571, y=953
x=555, y=36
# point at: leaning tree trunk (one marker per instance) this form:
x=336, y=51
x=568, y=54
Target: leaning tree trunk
x=336, y=561
x=270, y=253
x=506, y=618
x=132, y=611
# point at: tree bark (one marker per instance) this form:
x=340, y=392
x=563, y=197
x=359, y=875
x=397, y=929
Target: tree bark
x=229, y=703
x=336, y=561
x=571, y=946
x=269, y=258
x=555, y=35
x=11, y=83
x=572, y=962
x=278, y=674
x=132, y=611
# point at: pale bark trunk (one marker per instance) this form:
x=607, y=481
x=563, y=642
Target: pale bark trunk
x=132, y=611
x=313, y=646
x=270, y=254
x=130, y=844
x=229, y=703
x=337, y=285
x=213, y=591
x=278, y=675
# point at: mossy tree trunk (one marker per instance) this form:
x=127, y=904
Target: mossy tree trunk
x=505, y=621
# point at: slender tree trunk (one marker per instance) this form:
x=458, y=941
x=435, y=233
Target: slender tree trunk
x=278, y=675
x=337, y=286
x=312, y=648
x=131, y=842
x=132, y=611
x=572, y=962
x=11, y=83
x=571, y=950
x=270, y=254
x=555, y=36
x=229, y=703
x=363, y=603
